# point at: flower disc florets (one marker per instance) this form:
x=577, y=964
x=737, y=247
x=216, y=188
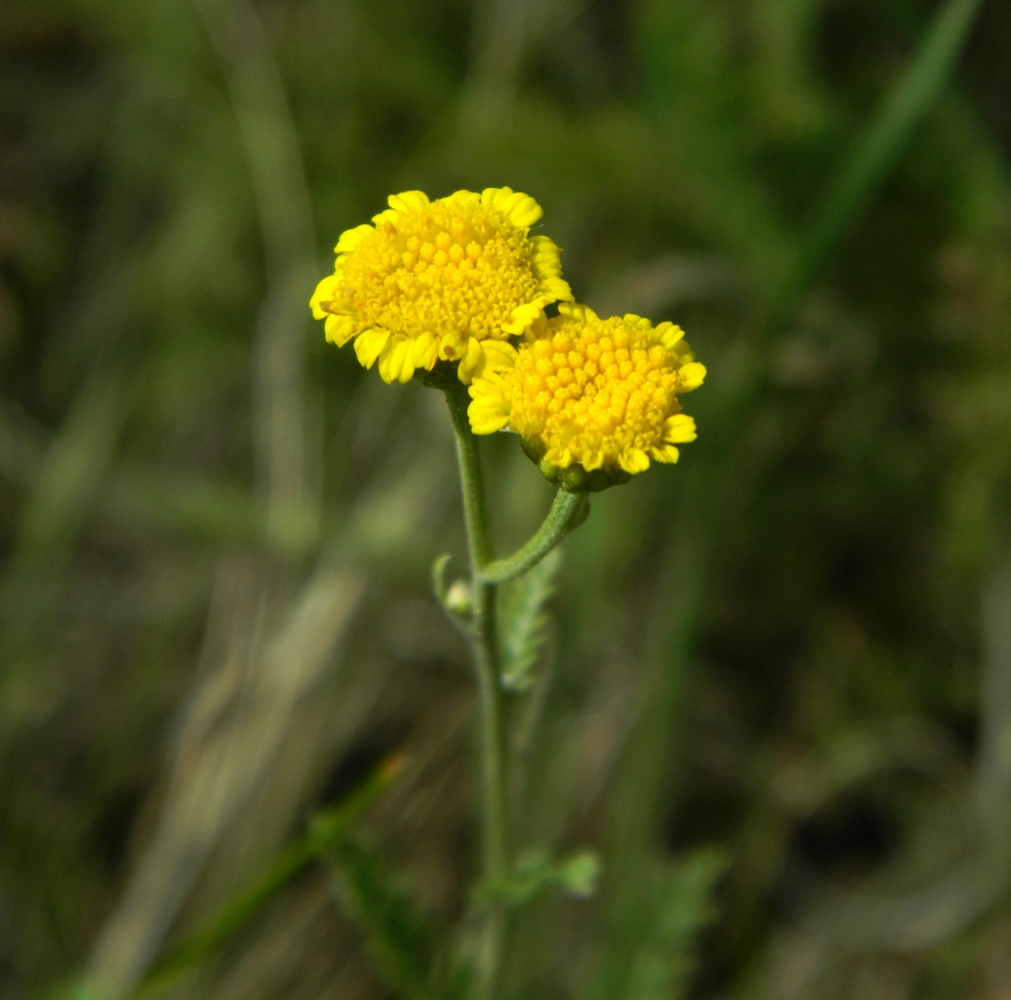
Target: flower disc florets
x=446, y=280
x=594, y=399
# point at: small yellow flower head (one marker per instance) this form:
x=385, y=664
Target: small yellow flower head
x=446, y=280
x=594, y=399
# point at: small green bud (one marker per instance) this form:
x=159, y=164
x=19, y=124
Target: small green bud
x=459, y=599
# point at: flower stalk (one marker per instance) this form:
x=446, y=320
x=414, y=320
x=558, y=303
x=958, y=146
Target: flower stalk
x=567, y=512
x=484, y=644
x=441, y=289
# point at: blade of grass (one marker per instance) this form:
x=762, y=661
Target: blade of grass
x=323, y=832
x=711, y=491
x=884, y=139
x=66, y=486
x=279, y=184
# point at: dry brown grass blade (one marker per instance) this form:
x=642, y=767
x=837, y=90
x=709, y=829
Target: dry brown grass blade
x=245, y=705
x=282, y=201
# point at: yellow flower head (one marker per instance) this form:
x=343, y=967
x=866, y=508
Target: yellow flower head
x=447, y=280
x=594, y=399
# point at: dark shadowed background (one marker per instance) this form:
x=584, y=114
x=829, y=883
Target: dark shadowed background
x=776, y=695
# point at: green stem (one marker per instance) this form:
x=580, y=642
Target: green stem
x=563, y=516
x=484, y=643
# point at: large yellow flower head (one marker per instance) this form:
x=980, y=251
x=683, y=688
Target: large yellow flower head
x=595, y=400
x=447, y=280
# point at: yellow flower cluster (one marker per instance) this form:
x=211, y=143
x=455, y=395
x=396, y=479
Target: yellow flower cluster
x=446, y=280
x=452, y=280
x=598, y=393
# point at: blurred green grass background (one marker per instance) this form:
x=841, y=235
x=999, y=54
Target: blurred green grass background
x=777, y=696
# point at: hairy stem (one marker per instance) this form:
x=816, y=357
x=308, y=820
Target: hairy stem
x=484, y=643
x=564, y=515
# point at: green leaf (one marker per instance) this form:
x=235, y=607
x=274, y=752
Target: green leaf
x=680, y=906
x=524, y=621
x=578, y=875
x=439, y=577
x=408, y=948
x=535, y=874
